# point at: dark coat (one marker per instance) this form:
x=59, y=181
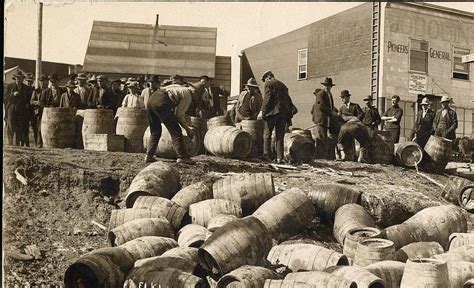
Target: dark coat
x=70, y=100
x=353, y=110
x=449, y=130
x=423, y=127
x=48, y=99
x=371, y=117
x=276, y=99
x=92, y=98
x=322, y=109
x=105, y=98
x=17, y=106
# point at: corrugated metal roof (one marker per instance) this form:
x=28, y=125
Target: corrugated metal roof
x=128, y=48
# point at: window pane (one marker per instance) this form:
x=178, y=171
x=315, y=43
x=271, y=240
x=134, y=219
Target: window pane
x=460, y=51
x=302, y=68
x=419, y=45
x=302, y=75
x=418, y=61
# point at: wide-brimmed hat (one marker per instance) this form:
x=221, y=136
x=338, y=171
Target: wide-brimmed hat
x=345, y=93
x=266, y=73
x=18, y=74
x=92, y=79
x=53, y=76
x=328, y=82
x=445, y=99
x=252, y=82
x=369, y=98
x=81, y=76
x=396, y=97
x=42, y=77
x=70, y=84
x=153, y=78
x=30, y=77
x=425, y=101
x=133, y=84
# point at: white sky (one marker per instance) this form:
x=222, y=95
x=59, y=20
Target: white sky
x=67, y=25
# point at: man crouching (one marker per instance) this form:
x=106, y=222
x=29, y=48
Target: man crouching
x=351, y=128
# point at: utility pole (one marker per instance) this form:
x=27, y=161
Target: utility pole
x=40, y=43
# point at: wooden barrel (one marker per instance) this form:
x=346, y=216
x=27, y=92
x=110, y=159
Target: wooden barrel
x=298, y=149
x=354, y=236
x=219, y=121
x=167, y=261
x=428, y=225
x=391, y=272
x=459, y=272
x=408, y=154
x=274, y=283
x=192, y=235
x=157, y=179
x=148, y=246
x=204, y=211
x=286, y=214
x=250, y=190
x=247, y=276
x=463, y=253
x=230, y=142
x=241, y=242
x=361, y=276
x=193, y=193
x=303, y=132
x=162, y=207
x=165, y=147
x=305, y=257
x=373, y=250
x=453, y=188
x=255, y=130
x=469, y=283
x=329, y=197
x=220, y=220
x=466, y=198
x=418, y=250
x=132, y=123
x=98, y=121
x=321, y=279
x=105, y=267
x=425, y=273
x=139, y=228
x=121, y=216
x=382, y=147
x=460, y=239
x=350, y=216
x=58, y=127
x=162, y=277
x=439, y=150
x=200, y=126
x=189, y=253
x=78, y=120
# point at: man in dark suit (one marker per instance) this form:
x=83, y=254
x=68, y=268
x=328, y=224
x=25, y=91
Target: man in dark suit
x=52, y=95
x=277, y=109
x=82, y=89
x=446, y=120
x=322, y=111
x=105, y=96
x=423, y=126
x=37, y=104
x=16, y=108
x=348, y=108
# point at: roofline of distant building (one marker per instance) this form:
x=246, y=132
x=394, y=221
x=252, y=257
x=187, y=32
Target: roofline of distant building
x=44, y=61
x=145, y=25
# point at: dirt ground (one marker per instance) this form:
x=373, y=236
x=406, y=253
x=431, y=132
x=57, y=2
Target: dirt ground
x=67, y=189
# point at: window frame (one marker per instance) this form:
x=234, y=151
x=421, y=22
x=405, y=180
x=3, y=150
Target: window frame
x=427, y=55
x=468, y=66
x=299, y=65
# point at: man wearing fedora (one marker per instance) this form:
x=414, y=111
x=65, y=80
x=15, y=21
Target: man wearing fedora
x=392, y=118
x=105, y=97
x=82, y=89
x=133, y=99
x=372, y=117
x=423, y=126
x=70, y=99
x=93, y=94
x=37, y=103
x=117, y=93
x=249, y=103
x=30, y=79
x=348, y=108
x=322, y=112
x=52, y=95
x=153, y=85
x=277, y=110
x=17, y=102
x=445, y=122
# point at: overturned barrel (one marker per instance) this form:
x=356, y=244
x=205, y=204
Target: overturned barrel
x=321, y=279
x=391, y=272
x=439, y=151
x=350, y=216
x=453, y=188
x=466, y=198
x=425, y=273
x=132, y=123
x=160, y=206
x=192, y=235
x=165, y=147
x=121, y=216
x=98, y=121
x=148, y=246
x=230, y=142
x=58, y=127
x=250, y=190
x=329, y=197
x=354, y=236
x=298, y=149
x=361, y=276
x=202, y=212
x=193, y=193
x=460, y=239
x=418, y=250
x=459, y=272
x=139, y=228
x=162, y=277
x=219, y=121
x=247, y=276
x=157, y=179
x=219, y=221
x=408, y=154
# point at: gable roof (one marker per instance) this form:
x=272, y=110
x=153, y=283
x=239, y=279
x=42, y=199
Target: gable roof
x=128, y=48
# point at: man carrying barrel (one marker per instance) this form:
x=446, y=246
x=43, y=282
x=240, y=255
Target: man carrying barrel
x=160, y=108
x=249, y=103
x=392, y=118
x=423, y=126
x=446, y=120
x=277, y=110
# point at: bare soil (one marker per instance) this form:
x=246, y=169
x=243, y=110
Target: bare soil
x=67, y=189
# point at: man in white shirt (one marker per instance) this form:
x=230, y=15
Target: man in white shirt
x=133, y=99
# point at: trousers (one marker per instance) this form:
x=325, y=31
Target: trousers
x=277, y=122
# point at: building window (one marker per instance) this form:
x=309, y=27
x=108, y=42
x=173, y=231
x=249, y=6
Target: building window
x=418, y=56
x=460, y=70
x=302, y=64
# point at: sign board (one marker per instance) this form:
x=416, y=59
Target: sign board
x=468, y=58
x=417, y=83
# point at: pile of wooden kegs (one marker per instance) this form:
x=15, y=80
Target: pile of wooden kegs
x=233, y=232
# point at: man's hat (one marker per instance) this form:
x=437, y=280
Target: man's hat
x=369, y=98
x=345, y=93
x=396, y=97
x=133, y=84
x=266, y=73
x=42, y=77
x=252, y=82
x=123, y=80
x=116, y=81
x=70, y=84
x=30, y=77
x=176, y=77
x=445, y=99
x=153, y=78
x=81, y=76
x=93, y=79
x=18, y=74
x=328, y=82
x=102, y=78
x=53, y=76
x=425, y=101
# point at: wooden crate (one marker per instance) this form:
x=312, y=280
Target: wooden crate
x=104, y=142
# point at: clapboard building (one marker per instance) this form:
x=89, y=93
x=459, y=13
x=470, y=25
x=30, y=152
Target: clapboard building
x=127, y=49
x=407, y=49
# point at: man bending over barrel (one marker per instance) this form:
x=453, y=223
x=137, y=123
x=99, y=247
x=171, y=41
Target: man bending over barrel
x=160, y=110
x=351, y=128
